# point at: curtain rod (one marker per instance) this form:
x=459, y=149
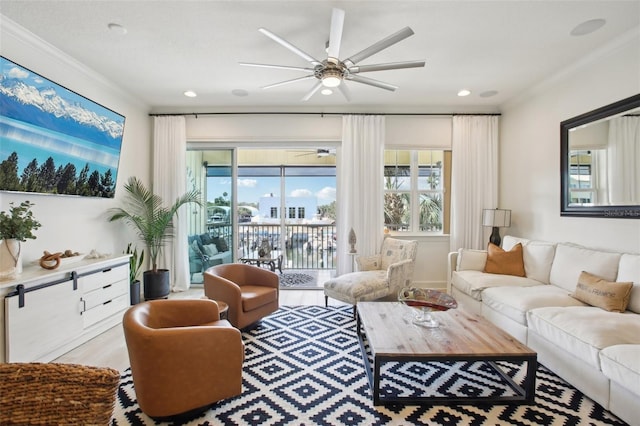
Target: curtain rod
x=322, y=114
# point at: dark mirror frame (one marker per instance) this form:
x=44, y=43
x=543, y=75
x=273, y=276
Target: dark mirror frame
x=622, y=212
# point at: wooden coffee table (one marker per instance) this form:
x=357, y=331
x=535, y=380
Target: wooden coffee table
x=461, y=337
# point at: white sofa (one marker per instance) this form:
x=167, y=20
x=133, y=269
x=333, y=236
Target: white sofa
x=595, y=350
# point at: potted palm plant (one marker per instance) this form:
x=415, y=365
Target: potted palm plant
x=15, y=227
x=146, y=213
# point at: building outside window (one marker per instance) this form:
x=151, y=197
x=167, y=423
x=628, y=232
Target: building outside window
x=273, y=212
x=301, y=213
x=292, y=212
x=414, y=192
x=581, y=182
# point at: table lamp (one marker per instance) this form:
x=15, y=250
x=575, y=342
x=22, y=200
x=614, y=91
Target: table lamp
x=496, y=218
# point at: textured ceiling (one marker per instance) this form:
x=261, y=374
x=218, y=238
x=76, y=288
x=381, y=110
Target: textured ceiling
x=173, y=46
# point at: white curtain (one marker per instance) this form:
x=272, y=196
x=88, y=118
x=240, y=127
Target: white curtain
x=360, y=187
x=474, y=178
x=624, y=157
x=170, y=182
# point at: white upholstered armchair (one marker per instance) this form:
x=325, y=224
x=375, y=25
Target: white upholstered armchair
x=378, y=276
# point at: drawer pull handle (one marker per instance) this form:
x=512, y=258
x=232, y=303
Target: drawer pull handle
x=107, y=286
x=107, y=270
x=108, y=301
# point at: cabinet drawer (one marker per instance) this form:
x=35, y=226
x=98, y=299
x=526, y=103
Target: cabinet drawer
x=107, y=309
x=104, y=294
x=102, y=278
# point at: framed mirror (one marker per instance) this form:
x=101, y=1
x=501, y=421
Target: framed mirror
x=600, y=162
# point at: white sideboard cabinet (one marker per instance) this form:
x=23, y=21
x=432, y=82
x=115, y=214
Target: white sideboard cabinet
x=49, y=312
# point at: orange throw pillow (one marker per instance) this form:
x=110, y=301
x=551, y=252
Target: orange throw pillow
x=505, y=262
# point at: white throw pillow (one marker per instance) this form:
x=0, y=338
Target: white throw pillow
x=508, y=241
x=473, y=260
x=210, y=250
x=538, y=258
x=629, y=270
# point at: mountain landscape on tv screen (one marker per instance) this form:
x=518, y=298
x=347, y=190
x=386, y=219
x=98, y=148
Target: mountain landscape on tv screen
x=44, y=126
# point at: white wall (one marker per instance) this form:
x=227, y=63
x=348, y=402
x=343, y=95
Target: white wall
x=530, y=148
x=78, y=223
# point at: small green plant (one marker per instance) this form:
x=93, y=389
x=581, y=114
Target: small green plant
x=19, y=224
x=135, y=262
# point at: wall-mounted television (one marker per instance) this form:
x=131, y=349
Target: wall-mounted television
x=53, y=140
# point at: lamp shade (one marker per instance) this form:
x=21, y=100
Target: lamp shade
x=496, y=218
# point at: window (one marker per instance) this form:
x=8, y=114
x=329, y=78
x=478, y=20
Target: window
x=581, y=182
x=292, y=212
x=273, y=212
x=301, y=212
x=414, y=192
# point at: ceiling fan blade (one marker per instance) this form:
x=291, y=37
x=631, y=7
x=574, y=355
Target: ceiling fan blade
x=282, y=83
x=313, y=90
x=280, y=67
x=377, y=47
x=289, y=46
x=389, y=66
x=371, y=82
x=345, y=91
x=335, y=34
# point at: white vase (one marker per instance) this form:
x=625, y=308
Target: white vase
x=10, y=257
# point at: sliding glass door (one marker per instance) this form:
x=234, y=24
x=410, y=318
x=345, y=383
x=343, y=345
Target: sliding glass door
x=279, y=200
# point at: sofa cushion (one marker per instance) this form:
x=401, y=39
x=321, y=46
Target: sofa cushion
x=537, y=256
x=358, y=286
x=514, y=302
x=621, y=363
x=255, y=296
x=595, y=291
x=210, y=249
x=570, y=260
x=473, y=283
x=584, y=330
x=504, y=262
x=629, y=270
x=469, y=259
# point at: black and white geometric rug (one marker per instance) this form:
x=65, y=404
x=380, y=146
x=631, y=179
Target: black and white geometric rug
x=303, y=367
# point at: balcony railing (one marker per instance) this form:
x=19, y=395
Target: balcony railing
x=308, y=246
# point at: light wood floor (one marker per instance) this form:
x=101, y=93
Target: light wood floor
x=109, y=349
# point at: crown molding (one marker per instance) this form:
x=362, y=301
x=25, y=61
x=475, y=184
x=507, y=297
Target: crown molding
x=631, y=36
x=10, y=28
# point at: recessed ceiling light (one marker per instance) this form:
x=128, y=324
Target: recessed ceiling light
x=464, y=92
x=326, y=91
x=587, y=27
x=488, y=93
x=190, y=94
x=240, y=92
x=117, y=28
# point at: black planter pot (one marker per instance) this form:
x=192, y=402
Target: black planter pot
x=134, y=292
x=156, y=284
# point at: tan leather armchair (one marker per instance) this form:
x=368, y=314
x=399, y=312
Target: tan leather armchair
x=183, y=357
x=251, y=292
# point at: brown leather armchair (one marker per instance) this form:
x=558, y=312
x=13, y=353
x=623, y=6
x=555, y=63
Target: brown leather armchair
x=183, y=357
x=251, y=292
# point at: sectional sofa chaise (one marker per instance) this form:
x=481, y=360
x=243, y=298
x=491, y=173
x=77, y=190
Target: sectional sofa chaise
x=560, y=307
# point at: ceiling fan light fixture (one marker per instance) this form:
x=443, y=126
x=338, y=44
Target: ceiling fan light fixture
x=326, y=91
x=331, y=77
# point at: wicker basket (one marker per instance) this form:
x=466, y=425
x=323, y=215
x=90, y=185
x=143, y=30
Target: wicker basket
x=56, y=394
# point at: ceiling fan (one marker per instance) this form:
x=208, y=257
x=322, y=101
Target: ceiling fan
x=332, y=72
x=320, y=152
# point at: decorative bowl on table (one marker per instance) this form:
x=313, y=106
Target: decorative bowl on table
x=426, y=301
